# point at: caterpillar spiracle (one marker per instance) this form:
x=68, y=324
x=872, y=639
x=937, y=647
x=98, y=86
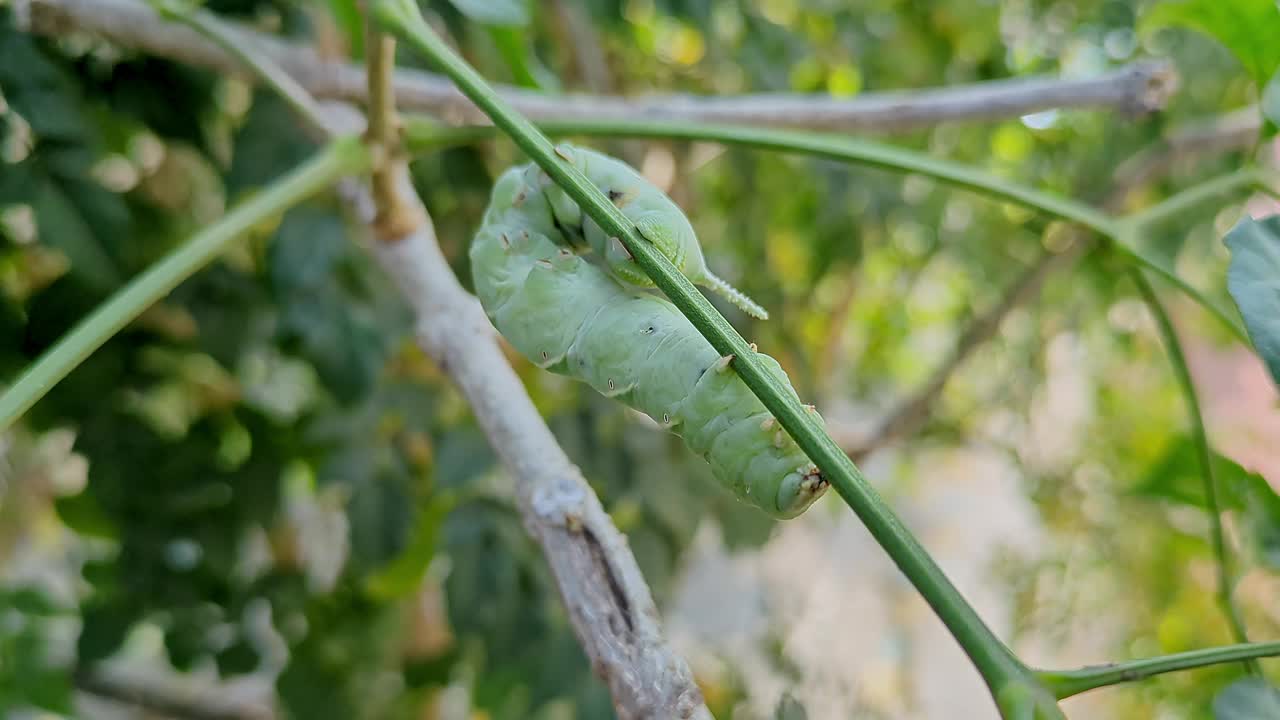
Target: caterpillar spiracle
x=579, y=311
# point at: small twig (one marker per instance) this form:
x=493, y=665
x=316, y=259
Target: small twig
x=1137, y=88
x=169, y=702
x=1226, y=576
x=396, y=215
x=1067, y=683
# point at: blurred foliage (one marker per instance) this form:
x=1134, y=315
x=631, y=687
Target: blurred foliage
x=279, y=484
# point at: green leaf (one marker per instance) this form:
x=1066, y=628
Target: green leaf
x=1253, y=279
x=513, y=44
x=1247, y=699
x=1248, y=28
x=1177, y=478
x=494, y=12
x=1262, y=506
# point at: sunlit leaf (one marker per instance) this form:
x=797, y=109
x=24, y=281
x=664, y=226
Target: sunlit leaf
x=1247, y=699
x=1254, y=282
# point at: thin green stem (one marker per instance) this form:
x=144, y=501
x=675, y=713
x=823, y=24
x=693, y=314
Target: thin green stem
x=422, y=135
x=1191, y=198
x=998, y=666
x=272, y=75
x=345, y=156
x=1226, y=578
x=1066, y=683
x=426, y=134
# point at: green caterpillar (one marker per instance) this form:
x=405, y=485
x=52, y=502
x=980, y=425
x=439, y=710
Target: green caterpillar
x=568, y=315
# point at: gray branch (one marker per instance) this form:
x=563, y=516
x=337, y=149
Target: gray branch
x=1134, y=89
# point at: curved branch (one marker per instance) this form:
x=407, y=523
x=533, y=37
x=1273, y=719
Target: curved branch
x=1134, y=89
x=1217, y=535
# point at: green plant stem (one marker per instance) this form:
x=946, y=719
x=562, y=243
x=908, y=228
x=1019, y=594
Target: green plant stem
x=1066, y=683
x=1226, y=577
x=423, y=134
x=998, y=666
x=1193, y=197
x=345, y=156
x=270, y=74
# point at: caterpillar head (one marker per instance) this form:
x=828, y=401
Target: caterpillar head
x=798, y=490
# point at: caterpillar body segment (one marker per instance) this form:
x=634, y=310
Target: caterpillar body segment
x=569, y=314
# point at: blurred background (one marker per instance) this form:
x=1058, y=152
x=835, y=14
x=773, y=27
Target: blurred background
x=260, y=500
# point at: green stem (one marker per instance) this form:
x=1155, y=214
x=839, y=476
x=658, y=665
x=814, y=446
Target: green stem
x=342, y=157
x=1226, y=579
x=422, y=135
x=264, y=70
x=426, y=134
x=998, y=666
x=1066, y=683
x=1165, y=210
